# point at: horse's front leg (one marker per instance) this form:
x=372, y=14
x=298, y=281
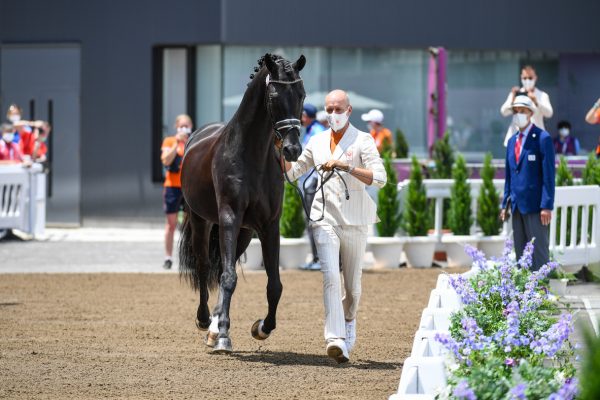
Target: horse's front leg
x=229, y=228
x=270, y=249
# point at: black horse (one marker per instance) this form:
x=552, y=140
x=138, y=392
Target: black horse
x=232, y=183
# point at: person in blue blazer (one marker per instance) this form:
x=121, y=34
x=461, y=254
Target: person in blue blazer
x=529, y=183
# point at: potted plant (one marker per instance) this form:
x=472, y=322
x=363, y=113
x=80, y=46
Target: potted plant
x=293, y=247
x=459, y=218
x=401, y=144
x=558, y=279
x=387, y=248
x=488, y=209
x=419, y=248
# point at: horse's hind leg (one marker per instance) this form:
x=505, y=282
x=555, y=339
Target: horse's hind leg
x=200, y=237
x=270, y=248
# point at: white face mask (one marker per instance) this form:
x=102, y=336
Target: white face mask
x=563, y=132
x=184, y=129
x=521, y=120
x=8, y=137
x=14, y=118
x=528, y=84
x=337, y=122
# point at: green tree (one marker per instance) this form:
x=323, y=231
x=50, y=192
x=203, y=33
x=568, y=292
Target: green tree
x=488, y=203
x=388, y=205
x=291, y=224
x=459, y=216
x=415, y=220
x=401, y=144
x=591, y=172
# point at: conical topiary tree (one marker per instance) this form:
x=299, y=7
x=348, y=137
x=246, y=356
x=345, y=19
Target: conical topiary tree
x=488, y=203
x=459, y=216
x=388, y=206
x=401, y=144
x=291, y=224
x=591, y=172
x=415, y=220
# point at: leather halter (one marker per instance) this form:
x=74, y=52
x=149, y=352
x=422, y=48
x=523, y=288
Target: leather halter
x=284, y=125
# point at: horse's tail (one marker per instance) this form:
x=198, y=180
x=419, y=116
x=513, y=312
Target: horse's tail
x=191, y=268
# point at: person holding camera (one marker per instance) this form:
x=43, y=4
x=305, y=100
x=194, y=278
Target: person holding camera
x=171, y=156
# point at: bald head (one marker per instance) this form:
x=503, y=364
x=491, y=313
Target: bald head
x=337, y=102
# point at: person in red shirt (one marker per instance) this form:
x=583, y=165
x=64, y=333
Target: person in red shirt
x=9, y=151
x=381, y=134
x=593, y=117
x=171, y=157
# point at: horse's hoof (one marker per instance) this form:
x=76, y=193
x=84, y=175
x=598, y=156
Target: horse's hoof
x=211, y=339
x=223, y=346
x=257, y=331
x=203, y=326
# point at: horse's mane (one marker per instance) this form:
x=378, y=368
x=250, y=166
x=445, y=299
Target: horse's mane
x=261, y=63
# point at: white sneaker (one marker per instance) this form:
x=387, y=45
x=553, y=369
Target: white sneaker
x=350, y=334
x=337, y=350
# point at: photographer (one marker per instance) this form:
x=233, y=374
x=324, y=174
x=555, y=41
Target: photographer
x=171, y=156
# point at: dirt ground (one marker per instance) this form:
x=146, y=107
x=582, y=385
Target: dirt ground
x=133, y=336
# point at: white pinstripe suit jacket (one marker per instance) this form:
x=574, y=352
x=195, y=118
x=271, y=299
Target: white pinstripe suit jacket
x=358, y=150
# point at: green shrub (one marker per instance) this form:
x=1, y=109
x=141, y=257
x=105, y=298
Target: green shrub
x=415, y=220
x=291, y=224
x=459, y=217
x=591, y=172
x=488, y=203
x=388, y=206
x=590, y=384
x=401, y=144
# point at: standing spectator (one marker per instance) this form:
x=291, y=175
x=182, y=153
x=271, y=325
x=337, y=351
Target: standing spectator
x=565, y=143
x=540, y=99
x=343, y=229
x=9, y=150
x=172, y=155
x=381, y=134
x=40, y=148
x=313, y=127
x=529, y=183
x=593, y=117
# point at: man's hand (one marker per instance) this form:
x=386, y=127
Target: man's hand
x=331, y=164
x=546, y=216
x=503, y=215
x=514, y=91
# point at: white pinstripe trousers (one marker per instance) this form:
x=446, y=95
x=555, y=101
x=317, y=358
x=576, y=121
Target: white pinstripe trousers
x=349, y=242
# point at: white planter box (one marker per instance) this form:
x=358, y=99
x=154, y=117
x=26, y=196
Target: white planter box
x=421, y=378
x=292, y=252
x=491, y=246
x=455, y=249
x=435, y=319
x=253, y=255
x=386, y=251
x=444, y=298
x=559, y=286
x=425, y=344
x=419, y=251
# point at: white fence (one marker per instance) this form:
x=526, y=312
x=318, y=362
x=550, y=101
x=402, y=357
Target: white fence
x=23, y=198
x=577, y=244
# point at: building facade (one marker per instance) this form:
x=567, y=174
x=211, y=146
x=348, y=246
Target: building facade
x=111, y=76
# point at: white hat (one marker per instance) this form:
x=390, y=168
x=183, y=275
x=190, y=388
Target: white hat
x=373, y=116
x=321, y=115
x=523, y=101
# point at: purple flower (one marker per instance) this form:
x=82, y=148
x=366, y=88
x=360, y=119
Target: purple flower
x=518, y=392
x=464, y=289
x=568, y=391
x=463, y=391
x=478, y=257
x=526, y=259
x=510, y=362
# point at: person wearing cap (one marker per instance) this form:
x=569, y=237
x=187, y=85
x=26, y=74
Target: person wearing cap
x=529, y=182
x=565, y=143
x=322, y=118
x=341, y=216
x=381, y=134
x=541, y=100
x=309, y=114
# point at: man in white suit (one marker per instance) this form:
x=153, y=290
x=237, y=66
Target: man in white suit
x=342, y=216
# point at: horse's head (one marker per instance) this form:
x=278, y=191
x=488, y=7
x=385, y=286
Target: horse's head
x=285, y=96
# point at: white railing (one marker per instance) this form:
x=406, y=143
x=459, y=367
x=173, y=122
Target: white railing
x=572, y=248
x=23, y=198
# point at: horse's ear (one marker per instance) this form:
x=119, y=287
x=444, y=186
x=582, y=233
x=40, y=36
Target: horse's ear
x=271, y=65
x=300, y=63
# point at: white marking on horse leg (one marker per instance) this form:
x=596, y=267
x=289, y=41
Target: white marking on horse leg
x=214, y=324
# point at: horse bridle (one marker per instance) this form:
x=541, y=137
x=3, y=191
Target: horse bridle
x=284, y=125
